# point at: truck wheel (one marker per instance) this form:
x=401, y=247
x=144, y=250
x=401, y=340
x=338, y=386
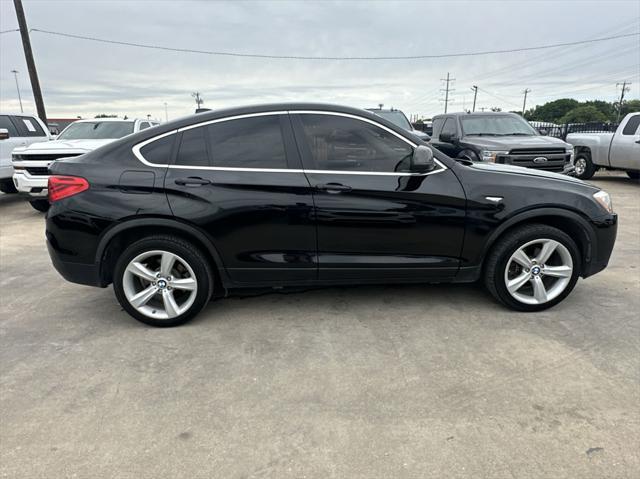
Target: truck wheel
x=40, y=205
x=585, y=168
x=532, y=268
x=634, y=175
x=7, y=186
x=468, y=154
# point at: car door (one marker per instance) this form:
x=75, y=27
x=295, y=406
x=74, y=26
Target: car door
x=240, y=179
x=625, y=147
x=376, y=219
x=7, y=146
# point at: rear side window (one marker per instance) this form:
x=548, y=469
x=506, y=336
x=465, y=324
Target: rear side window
x=247, y=143
x=6, y=123
x=632, y=125
x=159, y=151
x=193, y=148
x=347, y=144
x=28, y=126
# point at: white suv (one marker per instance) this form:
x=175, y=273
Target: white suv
x=31, y=163
x=17, y=130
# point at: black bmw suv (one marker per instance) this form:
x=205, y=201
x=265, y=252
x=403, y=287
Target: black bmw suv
x=306, y=194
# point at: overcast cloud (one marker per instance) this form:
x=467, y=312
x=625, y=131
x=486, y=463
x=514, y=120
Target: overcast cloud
x=86, y=78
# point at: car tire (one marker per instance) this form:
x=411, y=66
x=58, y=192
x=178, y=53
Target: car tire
x=156, y=294
x=517, y=286
x=468, y=154
x=634, y=175
x=584, y=167
x=7, y=186
x=40, y=205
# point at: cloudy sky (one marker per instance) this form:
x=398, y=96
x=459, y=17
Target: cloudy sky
x=80, y=77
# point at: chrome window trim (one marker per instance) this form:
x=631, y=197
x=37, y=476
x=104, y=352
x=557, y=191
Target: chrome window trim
x=138, y=146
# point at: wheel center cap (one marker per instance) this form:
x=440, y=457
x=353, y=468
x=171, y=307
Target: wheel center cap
x=535, y=270
x=161, y=283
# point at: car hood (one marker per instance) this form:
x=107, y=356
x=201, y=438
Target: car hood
x=519, y=170
x=509, y=142
x=82, y=145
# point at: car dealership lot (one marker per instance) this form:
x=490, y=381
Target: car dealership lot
x=398, y=381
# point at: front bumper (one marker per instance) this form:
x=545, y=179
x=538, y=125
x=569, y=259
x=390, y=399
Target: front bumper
x=31, y=177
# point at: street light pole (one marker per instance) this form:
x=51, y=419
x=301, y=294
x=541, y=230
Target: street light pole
x=15, y=74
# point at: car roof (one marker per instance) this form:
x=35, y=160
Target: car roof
x=129, y=120
x=10, y=113
x=475, y=113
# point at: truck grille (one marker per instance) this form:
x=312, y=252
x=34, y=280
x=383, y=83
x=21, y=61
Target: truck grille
x=49, y=157
x=556, y=158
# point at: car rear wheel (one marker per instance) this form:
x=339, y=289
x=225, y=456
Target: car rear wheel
x=163, y=281
x=584, y=167
x=40, y=205
x=533, y=268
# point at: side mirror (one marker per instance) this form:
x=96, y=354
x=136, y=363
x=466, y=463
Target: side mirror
x=448, y=137
x=422, y=159
x=4, y=134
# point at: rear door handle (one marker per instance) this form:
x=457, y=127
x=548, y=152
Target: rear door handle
x=192, y=181
x=333, y=188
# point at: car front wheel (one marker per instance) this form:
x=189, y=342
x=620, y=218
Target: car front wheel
x=532, y=268
x=163, y=281
x=584, y=167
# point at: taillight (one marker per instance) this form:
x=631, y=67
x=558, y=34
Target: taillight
x=64, y=186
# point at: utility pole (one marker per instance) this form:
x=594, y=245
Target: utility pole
x=447, y=89
x=166, y=112
x=15, y=74
x=199, y=100
x=475, y=95
x=31, y=64
x=524, y=103
x=625, y=88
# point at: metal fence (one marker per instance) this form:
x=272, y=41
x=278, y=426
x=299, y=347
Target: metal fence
x=561, y=131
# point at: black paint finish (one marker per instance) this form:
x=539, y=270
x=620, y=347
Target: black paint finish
x=301, y=226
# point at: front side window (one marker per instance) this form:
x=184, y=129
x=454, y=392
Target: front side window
x=449, y=127
x=347, y=144
x=96, y=130
x=437, y=127
x=144, y=125
x=193, y=148
x=254, y=142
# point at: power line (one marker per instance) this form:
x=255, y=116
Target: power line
x=301, y=57
x=9, y=31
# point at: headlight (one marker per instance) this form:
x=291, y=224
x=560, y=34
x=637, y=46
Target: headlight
x=604, y=200
x=491, y=155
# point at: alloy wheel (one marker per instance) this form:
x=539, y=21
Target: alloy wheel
x=159, y=284
x=580, y=166
x=538, y=271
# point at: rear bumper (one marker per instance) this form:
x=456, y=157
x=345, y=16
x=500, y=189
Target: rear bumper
x=80, y=273
x=605, y=230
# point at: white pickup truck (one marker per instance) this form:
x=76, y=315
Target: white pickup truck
x=31, y=163
x=612, y=151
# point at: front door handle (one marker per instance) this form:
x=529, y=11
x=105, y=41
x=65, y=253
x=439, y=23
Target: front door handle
x=192, y=181
x=333, y=188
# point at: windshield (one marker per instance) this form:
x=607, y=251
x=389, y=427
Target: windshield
x=496, y=125
x=395, y=117
x=97, y=130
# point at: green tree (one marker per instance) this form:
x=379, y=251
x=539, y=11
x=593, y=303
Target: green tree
x=584, y=114
x=630, y=106
x=552, y=111
x=604, y=107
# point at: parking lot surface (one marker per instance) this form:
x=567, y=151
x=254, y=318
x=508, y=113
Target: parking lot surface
x=390, y=381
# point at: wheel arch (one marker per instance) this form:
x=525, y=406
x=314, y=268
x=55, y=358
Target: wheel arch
x=117, y=238
x=570, y=222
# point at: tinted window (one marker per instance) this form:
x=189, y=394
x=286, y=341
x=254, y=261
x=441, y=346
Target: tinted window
x=247, y=143
x=28, y=126
x=632, y=125
x=5, y=122
x=437, y=127
x=144, y=125
x=449, y=127
x=339, y=143
x=396, y=117
x=159, y=151
x=193, y=149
